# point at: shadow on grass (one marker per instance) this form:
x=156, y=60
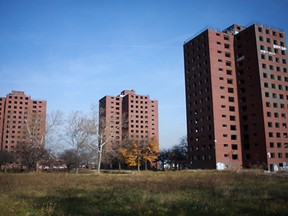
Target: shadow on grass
x=110, y=201
x=105, y=203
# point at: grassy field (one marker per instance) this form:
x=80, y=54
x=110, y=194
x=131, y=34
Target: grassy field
x=145, y=193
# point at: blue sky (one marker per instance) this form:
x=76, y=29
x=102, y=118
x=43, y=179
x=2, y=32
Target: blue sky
x=73, y=52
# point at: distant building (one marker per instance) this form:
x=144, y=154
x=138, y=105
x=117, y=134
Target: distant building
x=19, y=112
x=128, y=116
x=237, y=98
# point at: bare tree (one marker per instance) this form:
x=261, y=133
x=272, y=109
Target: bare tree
x=89, y=134
x=54, y=131
x=71, y=158
x=100, y=133
x=164, y=157
x=77, y=132
x=35, y=131
x=31, y=153
x=32, y=148
x=114, y=153
x=177, y=155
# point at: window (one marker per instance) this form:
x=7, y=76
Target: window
x=231, y=108
x=228, y=55
x=228, y=63
x=276, y=115
x=261, y=38
x=268, y=114
x=279, y=78
x=226, y=37
x=227, y=46
x=230, y=81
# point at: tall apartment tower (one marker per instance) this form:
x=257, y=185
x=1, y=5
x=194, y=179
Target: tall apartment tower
x=19, y=112
x=236, y=98
x=128, y=116
x=263, y=94
x=213, y=122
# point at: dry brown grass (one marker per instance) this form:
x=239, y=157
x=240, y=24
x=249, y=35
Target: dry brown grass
x=145, y=193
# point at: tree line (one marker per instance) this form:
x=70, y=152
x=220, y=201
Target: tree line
x=175, y=157
x=78, y=140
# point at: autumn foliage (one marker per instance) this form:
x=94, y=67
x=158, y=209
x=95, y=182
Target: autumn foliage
x=137, y=152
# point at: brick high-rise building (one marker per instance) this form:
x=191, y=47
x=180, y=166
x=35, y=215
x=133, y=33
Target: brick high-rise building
x=263, y=94
x=19, y=112
x=129, y=116
x=236, y=97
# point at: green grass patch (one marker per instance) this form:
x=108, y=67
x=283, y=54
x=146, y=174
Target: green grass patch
x=144, y=193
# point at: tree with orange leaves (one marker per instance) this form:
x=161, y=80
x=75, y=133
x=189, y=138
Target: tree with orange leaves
x=151, y=152
x=137, y=151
